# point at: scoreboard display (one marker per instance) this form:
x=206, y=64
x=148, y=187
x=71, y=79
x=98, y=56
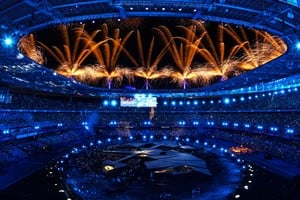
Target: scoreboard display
x=138, y=101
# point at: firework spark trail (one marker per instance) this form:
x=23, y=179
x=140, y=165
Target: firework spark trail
x=107, y=53
x=27, y=45
x=69, y=60
x=183, y=54
x=146, y=69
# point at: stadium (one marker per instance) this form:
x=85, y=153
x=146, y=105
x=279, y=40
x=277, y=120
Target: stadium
x=116, y=99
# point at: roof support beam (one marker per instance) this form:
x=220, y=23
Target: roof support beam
x=238, y=8
x=122, y=11
x=64, y=5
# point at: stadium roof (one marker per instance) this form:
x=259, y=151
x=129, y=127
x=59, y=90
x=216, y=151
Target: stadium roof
x=29, y=15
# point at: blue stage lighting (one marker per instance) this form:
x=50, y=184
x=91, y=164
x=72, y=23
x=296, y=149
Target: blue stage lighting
x=84, y=123
x=226, y=100
x=210, y=123
x=8, y=41
x=298, y=45
x=59, y=124
x=225, y=123
x=105, y=103
x=113, y=123
x=173, y=103
x=20, y=56
x=289, y=130
x=113, y=103
x=75, y=150
x=147, y=123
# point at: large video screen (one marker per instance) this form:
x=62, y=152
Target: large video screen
x=138, y=100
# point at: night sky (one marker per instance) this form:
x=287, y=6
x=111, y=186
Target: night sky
x=52, y=36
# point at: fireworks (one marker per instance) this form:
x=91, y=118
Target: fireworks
x=265, y=48
x=70, y=57
x=28, y=47
x=183, y=54
x=107, y=53
x=196, y=57
x=147, y=69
